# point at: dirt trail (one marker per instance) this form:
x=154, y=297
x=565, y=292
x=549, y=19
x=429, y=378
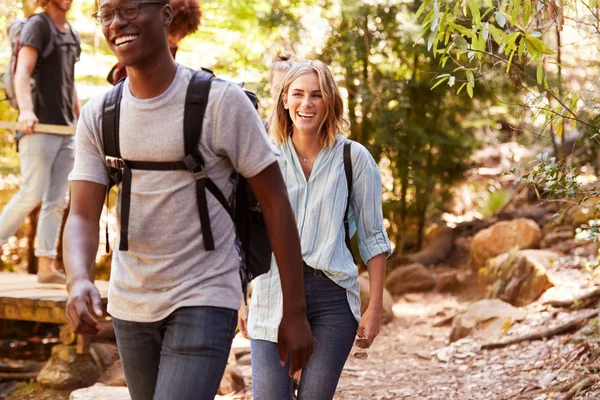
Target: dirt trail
x=402, y=363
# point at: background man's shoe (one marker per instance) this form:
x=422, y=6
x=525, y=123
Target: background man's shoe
x=54, y=277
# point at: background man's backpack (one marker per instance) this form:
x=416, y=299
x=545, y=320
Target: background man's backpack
x=246, y=214
x=14, y=35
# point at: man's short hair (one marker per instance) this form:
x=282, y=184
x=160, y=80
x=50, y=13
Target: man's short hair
x=186, y=17
x=42, y=3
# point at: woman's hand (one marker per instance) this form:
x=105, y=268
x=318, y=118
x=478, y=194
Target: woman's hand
x=243, y=320
x=369, y=325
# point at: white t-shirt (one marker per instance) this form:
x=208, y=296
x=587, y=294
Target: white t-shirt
x=166, y=266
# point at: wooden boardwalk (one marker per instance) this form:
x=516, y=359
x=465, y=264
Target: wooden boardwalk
x=23, y=298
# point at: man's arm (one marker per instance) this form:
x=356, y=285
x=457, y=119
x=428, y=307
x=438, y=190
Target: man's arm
x=80, y=245
x=27, y=58
x=295, y=337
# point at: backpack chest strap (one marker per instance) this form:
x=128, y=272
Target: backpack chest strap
x=203, y=183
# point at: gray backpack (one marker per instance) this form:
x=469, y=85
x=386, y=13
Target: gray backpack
x=14, y=35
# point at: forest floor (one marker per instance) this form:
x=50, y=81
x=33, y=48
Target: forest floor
x=411, y=359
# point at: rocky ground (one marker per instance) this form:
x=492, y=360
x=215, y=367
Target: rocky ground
x=412, y=359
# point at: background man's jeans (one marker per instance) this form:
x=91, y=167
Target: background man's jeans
x=333, y=327
x=46, y=161
x=182, y=357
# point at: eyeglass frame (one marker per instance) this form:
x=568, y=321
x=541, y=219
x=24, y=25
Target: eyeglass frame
x=114, y=11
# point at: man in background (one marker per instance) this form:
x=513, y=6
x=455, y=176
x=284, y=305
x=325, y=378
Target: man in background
x=45, y=159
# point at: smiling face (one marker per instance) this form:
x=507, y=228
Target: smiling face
x=141, y=39
x=304, y=102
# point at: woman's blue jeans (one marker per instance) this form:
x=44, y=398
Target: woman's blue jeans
x=182, y=357
x=46, y=161
x=333, y=327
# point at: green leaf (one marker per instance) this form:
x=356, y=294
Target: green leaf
x=460, y=42
x=538, y=45
x=470, y=90
x=422, y=8
x=438, y=83
x=515, y=11
x=526, y=12
x=500, y=19
x=510, y=39
x=497, y=34
x=521, y=48
x=461, y=88
x=540, y=73
x=512, y=53
x=470, y=78
x=475, y=14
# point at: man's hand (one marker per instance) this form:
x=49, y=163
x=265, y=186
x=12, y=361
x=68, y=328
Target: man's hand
x=27, y=119
x=295, y=341
x=83, y=298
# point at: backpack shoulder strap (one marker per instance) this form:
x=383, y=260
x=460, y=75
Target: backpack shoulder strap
x=110, y=120
x=110, y=142
x=195, y=106
x=52, y=34
x=196, y=101
x=348, y=171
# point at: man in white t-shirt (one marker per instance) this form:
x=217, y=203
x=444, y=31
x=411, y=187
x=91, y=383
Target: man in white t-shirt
x=174, y=304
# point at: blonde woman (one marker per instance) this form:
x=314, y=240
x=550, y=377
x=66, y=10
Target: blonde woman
x=306, y=124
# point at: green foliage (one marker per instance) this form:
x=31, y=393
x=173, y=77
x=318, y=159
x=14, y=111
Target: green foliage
x=494, y=201
x=422, y=134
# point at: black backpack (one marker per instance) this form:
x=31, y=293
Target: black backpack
x=246, y=213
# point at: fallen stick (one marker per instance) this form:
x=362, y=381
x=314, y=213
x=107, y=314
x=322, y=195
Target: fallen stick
x=18, y=375
x=41, y=128
x=580, y=300
x=546, y=333
x=581, y=385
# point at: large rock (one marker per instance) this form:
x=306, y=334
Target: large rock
x=519, y=277
x=503, y=236
x=365, y=295
x=232, y=381
x=113, y=375
x=100, y=392
x=67, y=370
x=438, y=246
x=485, y=319
x=582, y=213
x=410, y=278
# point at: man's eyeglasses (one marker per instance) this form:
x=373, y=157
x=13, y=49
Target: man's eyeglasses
x=127, y=11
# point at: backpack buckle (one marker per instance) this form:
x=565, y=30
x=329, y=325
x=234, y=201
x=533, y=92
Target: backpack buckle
x=115, y=162
x=194, y=166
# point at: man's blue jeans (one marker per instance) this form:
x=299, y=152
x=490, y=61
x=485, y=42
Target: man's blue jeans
x=182, y=357
x=46, y=161
x=333, y=327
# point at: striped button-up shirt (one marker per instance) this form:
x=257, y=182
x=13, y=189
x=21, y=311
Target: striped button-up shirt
x=319, y=206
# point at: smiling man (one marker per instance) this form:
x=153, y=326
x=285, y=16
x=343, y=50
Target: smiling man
x=174, y=293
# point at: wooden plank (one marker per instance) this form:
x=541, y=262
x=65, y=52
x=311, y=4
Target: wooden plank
x=41, y=128
x=23, y=298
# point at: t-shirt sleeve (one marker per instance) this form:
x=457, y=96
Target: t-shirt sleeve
x=89, y=156
x=240, y=134
x=35, y=33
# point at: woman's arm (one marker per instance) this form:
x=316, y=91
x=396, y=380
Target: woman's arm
x=370, y=323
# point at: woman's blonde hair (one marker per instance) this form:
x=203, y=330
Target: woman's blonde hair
x=280, y=122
